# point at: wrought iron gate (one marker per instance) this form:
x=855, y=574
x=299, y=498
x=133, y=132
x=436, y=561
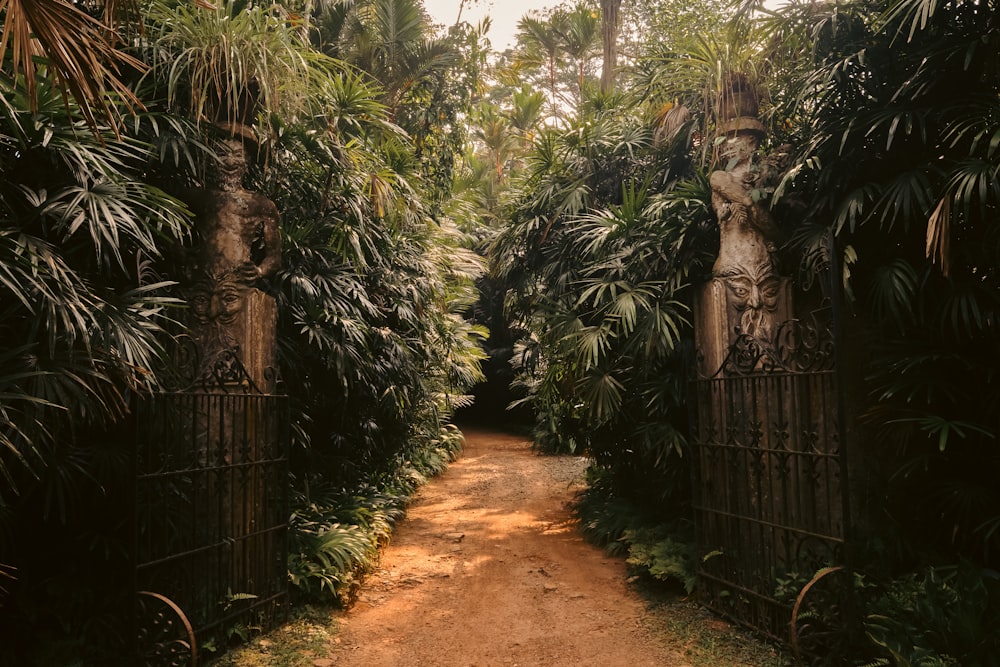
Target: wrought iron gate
x=770, y=474
x=212, y=508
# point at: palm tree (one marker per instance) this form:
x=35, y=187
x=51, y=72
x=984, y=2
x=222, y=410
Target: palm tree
x=84, y=320
x=79, y=226
x=540, y=42
x=389, y=40
x=427, y=84
x=584, y=273
x=578, y=33
x=77, y=52
x=496, y=134
x=369, y=292
x=526, y=109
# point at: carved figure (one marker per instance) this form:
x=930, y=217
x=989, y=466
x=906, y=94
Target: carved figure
x=753, y=291
x=238, y=245
x=238, y=229
x=747, y=234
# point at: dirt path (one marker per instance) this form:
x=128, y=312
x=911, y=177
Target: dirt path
x=488, y=570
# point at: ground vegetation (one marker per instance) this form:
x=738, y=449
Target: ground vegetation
x=884, y=113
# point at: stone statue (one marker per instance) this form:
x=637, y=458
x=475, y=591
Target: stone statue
x=237, y=246
x=747, y=234
x=739, y=311
x=238, y=228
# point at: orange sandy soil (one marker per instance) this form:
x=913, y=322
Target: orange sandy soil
x=489, y=570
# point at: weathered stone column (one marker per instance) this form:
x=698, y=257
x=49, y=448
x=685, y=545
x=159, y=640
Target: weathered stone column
x=232, y=321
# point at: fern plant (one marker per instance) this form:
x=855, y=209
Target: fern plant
x=937, y=617
x=665, y=554
x=324, y=561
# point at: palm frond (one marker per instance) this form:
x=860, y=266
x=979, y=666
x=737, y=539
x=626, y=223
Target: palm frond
x=72, y=48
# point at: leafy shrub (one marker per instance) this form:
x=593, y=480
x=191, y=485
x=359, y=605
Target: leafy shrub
x=336, y=533
x=663, y=553
x=605, y=520
x=653, y=545
x=324, y=560
x=944, y=616
x=938, y=617
x=334, y=539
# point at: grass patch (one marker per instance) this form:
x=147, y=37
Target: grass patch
x=708, y=641
x=309, y=634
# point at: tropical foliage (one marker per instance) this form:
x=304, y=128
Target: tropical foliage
x=896, y=158
x=83, y=228
x=560, y=53
x=608, y=227
x=375, y=354
x=889, y=112
x=424, y=190
x=336, y=534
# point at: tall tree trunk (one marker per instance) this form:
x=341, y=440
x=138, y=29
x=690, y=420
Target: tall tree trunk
x=552, y=84
x=609, y=33
x=306, y=19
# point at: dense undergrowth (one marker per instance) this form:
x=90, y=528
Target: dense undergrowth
x=336, y=533
x=654, y=548
x=356, y=150
x=933, y=616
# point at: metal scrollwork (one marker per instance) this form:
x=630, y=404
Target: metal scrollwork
x=226, y=371
x=165, y=636
x=805, y=347
x=222, y=371
x=798, y=346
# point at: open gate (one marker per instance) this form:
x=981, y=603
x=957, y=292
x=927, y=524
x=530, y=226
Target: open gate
x=770, y=474
x=211, y=516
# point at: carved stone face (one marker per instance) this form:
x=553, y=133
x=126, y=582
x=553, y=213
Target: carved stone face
x=218, y=301
x=738, y=149
x=231, y=315
x=228, y=173
x=753, y=293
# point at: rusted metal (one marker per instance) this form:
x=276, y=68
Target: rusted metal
x=769, y=472
x=212, y=504
x=165, y=636
x=794, y=629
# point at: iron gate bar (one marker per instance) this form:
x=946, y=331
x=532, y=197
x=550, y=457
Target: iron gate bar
x=236, y=617
x=805, y=533
x=209, y=547
x=769, y=472
x=211, y=505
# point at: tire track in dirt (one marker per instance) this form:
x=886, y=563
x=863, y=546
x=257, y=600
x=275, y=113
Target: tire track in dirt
x=488, y=570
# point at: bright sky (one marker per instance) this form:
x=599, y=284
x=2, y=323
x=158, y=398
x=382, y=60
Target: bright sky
x=505, y=15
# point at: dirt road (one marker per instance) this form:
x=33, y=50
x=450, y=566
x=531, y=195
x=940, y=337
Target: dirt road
x=488, y=570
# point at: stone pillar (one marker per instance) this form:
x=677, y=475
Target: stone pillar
x=232, y=320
